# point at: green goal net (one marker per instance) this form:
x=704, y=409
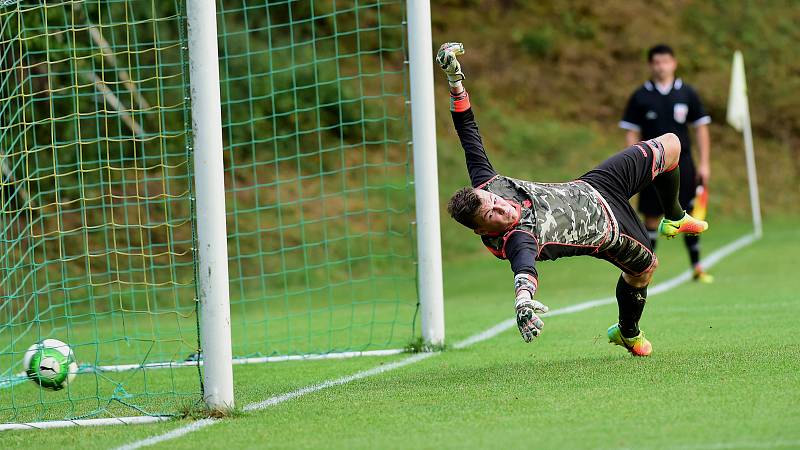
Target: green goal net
x=96, y=214
x=98, y=218
x=320, y=202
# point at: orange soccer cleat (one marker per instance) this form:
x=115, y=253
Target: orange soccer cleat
x=638, y=345
x=685, y=225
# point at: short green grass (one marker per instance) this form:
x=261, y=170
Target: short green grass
x=725, y=372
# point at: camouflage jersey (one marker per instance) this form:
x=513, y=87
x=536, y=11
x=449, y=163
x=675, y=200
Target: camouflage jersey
x=565, y=219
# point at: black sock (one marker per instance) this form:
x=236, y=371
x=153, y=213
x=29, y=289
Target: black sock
x=630, y=301
x=693, y=245
x=667, y=186
x=652, y=235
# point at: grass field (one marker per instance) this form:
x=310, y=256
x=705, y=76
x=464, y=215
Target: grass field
x=725, y=372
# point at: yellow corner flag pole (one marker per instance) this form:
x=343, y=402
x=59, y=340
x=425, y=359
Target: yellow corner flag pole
x=739, y=118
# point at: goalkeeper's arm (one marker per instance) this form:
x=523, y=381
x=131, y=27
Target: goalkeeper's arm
x=478, y=165
x=521, y=250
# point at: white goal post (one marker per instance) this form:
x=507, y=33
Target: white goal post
x=426, y=181
x=209, y=182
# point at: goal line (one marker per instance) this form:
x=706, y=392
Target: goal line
x=22, y=377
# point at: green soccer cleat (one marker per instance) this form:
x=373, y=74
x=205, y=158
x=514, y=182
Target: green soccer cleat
x=685, y=225
x=638, y=346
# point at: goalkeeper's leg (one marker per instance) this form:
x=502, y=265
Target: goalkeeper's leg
x=631, y=299
x=631, y=254
x=667, y=183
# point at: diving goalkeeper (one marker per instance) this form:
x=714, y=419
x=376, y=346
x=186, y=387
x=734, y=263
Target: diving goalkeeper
x=524, y=221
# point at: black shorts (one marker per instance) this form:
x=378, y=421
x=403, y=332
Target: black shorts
x=619, y=178
x=649, y=203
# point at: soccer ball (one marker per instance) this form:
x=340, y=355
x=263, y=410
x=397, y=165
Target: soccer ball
x=50, y=364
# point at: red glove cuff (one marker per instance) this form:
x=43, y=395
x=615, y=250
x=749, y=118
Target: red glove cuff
x=459, y=102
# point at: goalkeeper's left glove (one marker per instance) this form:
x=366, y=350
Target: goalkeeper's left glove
x=446, y=58
x=529, y=324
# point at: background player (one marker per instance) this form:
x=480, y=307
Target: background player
x=666, y=104
x=524, y=221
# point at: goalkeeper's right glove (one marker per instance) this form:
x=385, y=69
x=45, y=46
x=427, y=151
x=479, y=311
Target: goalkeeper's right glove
x=446, y=58
x=529, y=324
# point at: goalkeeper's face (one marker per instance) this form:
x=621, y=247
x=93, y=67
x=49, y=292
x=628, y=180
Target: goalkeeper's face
x=495, y=214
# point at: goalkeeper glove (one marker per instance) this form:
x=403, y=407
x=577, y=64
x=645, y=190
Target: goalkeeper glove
x=529, y=324
x=446, y=58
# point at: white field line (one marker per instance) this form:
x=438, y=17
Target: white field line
x=251, y=360
x=22, y=377
x=176, y=433
x=707, y=262
x=137, y=420
x=338, y=381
